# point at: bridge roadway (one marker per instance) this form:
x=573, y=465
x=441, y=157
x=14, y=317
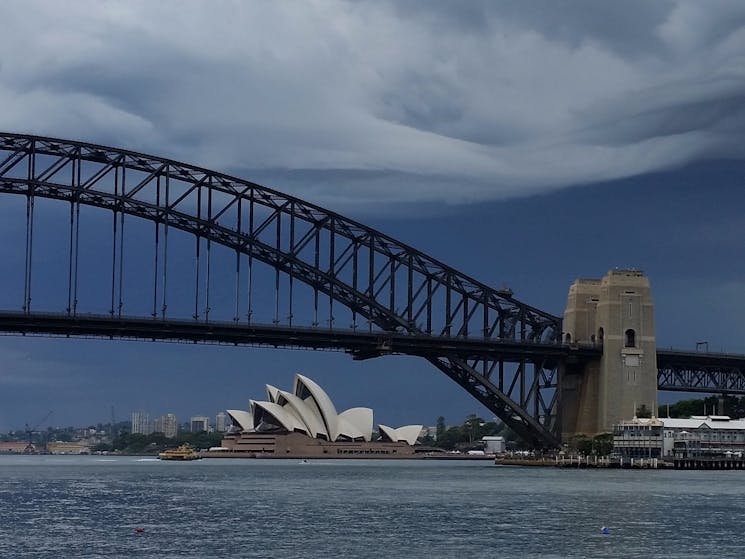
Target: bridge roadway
x=361, y=344
x=693, y=371
x=682, y=371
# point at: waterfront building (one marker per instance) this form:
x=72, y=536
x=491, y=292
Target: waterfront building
x=304, y=422
x=167, y=424
x=221, y=422
x=13, y=447
x=199, y=423
x=706, y=436
x=494, y=445
x=75, y=447
x=141, y=423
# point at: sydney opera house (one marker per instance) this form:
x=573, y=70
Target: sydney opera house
x=305, y=423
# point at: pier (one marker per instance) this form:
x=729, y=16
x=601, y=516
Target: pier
x=709, y=463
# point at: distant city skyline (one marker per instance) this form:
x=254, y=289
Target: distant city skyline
x=142, y=423
x=166, y=424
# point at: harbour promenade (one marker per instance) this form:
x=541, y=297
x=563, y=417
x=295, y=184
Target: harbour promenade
x=581, y=462
x=695, y=463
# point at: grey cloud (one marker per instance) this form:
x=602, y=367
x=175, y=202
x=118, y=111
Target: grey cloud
x=625, y=125
x=357, y=192
x=387, y=101
x=625, y=26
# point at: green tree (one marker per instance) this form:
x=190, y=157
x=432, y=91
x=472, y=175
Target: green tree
x=643, y=411
x=604, y=444
x=581, y=444
x=733, y=407
x=441, y=428
x=471, y=427
x=599, y=445
x=426, y=440
x=466, y=436
x=450, y=438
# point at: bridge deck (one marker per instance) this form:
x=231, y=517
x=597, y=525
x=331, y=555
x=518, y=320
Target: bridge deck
x=360, y=344
x=690, y=371
x=683, y=371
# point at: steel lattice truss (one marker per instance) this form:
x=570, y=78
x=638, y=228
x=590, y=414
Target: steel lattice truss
x=388, y=287
x=700, y=372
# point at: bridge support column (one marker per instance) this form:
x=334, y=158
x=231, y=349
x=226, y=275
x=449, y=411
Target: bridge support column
x=617, y=314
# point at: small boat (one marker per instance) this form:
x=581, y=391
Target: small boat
x=184, y=452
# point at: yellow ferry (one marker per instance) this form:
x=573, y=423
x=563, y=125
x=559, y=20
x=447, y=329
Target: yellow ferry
x=184, y=452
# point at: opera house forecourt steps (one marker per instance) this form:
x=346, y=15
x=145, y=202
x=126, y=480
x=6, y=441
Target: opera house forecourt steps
x=304, y=423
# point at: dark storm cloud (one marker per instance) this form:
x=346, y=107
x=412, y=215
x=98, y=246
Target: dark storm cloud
x=717, y=113
x=418, y=102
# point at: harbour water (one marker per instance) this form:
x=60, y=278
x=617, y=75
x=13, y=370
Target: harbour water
x=91, y=506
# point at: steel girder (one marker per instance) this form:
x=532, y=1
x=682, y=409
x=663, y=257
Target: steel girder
x=391, y=286
x=356, y=342
x=700, y=372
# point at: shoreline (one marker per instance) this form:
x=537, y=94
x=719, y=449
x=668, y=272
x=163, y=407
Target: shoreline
x=270, y=456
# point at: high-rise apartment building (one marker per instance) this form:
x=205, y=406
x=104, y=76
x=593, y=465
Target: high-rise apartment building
x=199, y=423
x=167, y=424
x=141, y=423
x=221, y=422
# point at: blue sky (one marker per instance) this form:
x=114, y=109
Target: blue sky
x=523, y=144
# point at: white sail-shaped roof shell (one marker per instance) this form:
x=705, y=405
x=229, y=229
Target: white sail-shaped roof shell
x=285, y=416
x=356, y=423
x=242, y=419
x=407, y=433
x=308, y=414
x=272, y=393
x=306, y=389
x=388, y=433
x=308, y=409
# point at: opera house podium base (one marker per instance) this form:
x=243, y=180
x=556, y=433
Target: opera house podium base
x=299, y=445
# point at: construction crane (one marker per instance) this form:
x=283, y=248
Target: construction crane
x=30, y=448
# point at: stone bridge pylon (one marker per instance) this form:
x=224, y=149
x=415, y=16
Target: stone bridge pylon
x=615, y=313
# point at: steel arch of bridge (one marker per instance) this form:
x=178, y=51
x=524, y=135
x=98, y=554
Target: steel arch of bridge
x=392, y=286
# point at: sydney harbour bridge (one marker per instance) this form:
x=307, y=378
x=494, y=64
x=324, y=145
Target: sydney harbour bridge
x=152, y=249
